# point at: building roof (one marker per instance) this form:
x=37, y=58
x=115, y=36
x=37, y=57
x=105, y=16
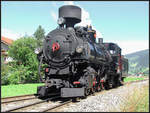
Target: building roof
x=7, y=41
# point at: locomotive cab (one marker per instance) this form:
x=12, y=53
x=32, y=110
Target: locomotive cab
x=114, y=50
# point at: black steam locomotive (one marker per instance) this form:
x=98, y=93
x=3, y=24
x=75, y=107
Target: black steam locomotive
x=77, y=65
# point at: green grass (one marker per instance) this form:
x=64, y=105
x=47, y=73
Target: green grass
x=128, y=79
x=143, y=106
x=138, y=101
x=16, y=90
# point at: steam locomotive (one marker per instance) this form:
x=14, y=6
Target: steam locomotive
x=77, y=65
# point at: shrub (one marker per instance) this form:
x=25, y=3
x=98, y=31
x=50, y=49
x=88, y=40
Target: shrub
x=14, y=78
x=5, y=72
x=25, y=63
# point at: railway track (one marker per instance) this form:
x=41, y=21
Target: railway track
x=56, y=106
x=51, y=106
x=17, y=98
x=20, y=98
x=29, y=105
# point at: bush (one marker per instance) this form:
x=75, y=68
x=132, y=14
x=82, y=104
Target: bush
x=25, y=64
x=5, y=72
x=14, y=78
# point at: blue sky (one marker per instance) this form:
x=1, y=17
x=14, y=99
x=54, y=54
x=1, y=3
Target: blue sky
x=125, y=23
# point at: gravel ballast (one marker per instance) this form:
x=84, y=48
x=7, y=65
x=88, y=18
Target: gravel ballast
x=105, y=101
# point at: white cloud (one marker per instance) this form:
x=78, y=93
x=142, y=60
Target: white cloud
x=11, y=34
x=131, y=46
x=54, y=15
x=68, y=2
x=14, y=35
x=85, y=18
x=98, y=33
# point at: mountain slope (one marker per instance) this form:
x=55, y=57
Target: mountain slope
x=138, y=61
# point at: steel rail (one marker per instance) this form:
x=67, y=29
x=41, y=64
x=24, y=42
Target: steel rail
x=27, y=105
x=3, y=102
x=17, y=96
x=56, y=106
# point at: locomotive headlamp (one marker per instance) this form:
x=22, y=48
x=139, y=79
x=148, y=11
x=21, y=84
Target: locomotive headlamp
x=79, y=49
x=61, y=21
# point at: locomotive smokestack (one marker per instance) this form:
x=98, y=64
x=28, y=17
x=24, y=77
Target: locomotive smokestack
x=71, y=14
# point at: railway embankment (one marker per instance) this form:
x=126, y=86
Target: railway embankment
x=115, y=100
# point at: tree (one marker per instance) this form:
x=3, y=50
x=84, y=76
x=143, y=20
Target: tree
x=21, y=48
x=22, y=52
x=39, y=35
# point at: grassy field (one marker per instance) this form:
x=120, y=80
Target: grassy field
x=128, y=79
x=138, y=101
x=21, y=89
